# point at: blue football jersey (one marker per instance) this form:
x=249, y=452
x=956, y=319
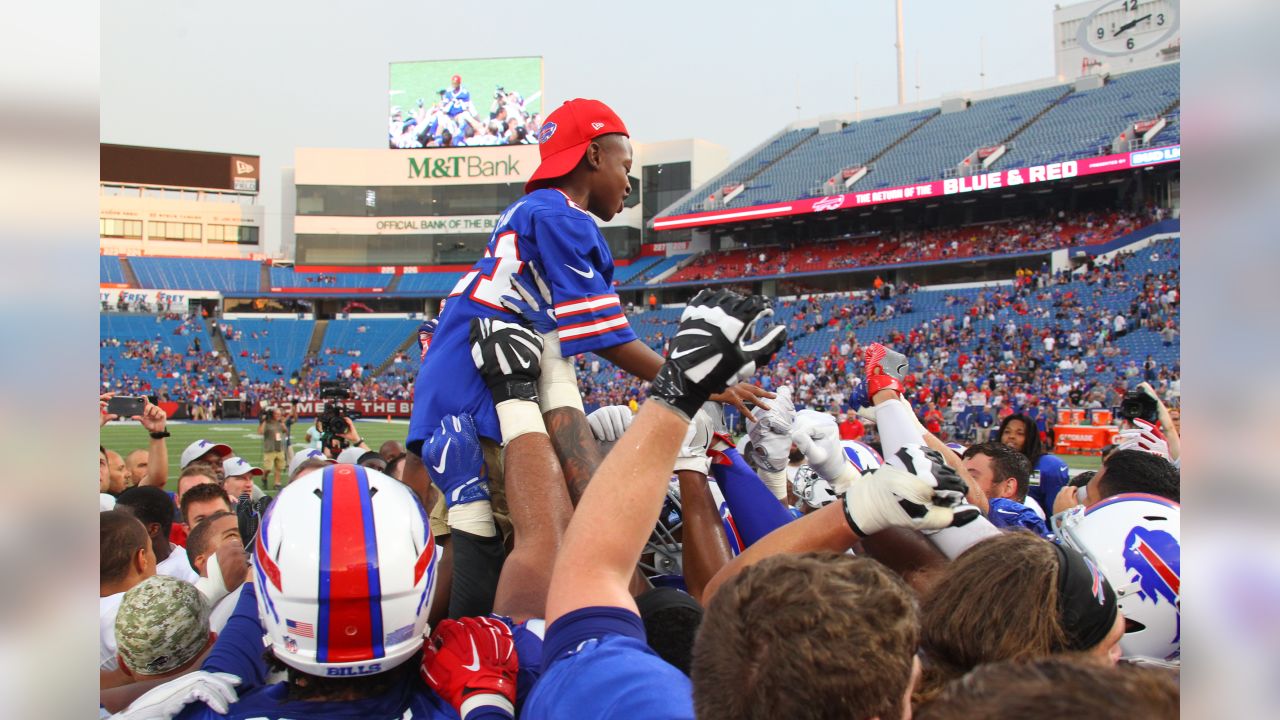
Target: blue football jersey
x=271, y=703
x=456, y=102
x=598, y=665
x=547, y=228
x=1053, y=475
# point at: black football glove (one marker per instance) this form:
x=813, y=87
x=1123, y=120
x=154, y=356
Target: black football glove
x=508, y=357
x=714, y=347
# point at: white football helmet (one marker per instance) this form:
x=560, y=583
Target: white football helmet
x=863, y=456
x=811, y=489
x=1134, y=539
x=345, y=568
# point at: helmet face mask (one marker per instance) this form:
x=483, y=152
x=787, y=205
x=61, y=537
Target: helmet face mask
x=344, y=570
x=811, y=489
x=1135, y=540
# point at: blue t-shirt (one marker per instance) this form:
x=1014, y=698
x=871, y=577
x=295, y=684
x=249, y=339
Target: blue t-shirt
x=1006, y=513
x=547, y=228
x=599, y=666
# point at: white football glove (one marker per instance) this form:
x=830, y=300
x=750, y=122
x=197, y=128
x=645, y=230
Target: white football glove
x=817, y=435
x=610, y=422
x=706, y=430
x=771, y=432
x=1146, y=437
x=217, y=690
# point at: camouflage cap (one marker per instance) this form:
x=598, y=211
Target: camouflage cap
x=163, y=623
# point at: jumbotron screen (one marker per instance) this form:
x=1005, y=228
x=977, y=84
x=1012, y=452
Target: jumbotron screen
x=465, y=103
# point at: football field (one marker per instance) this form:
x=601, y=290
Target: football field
x=243, y=437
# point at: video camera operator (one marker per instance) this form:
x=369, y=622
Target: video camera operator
x=336, y=422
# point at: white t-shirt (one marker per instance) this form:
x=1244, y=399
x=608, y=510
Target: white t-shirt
x=176, y=565
x=106, y=502
x=108, y=607
x=223, y=609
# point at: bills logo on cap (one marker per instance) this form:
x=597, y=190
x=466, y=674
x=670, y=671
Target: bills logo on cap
x=548, y=129
x=597, y=125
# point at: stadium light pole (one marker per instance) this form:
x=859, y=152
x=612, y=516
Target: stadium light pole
x=902, y=73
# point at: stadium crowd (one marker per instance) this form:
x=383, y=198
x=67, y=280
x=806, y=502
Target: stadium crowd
x=1061, y=229
x=816, y=578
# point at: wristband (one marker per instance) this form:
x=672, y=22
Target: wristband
x=160, y=435
x=558, y=383
x=775, y=481
x=677, y=392
x=518, y=417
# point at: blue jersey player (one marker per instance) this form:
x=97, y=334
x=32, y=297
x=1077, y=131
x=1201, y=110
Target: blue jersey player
x=586, y=158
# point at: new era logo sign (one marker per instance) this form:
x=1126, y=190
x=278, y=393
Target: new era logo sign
x=243, y=168
x=597, y=125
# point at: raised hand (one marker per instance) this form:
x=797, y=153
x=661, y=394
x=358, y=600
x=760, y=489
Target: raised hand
x=508, y=357
x=1145, y=437
x=610, y=422
x=455, y=461
x=770, y=433
x=817, y=436
x=885, y=369
x=531, y=301
x=471, y=663
x=714, y=347
x=914, y=489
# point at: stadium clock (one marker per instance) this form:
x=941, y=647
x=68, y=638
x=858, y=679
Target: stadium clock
x=1123, y=27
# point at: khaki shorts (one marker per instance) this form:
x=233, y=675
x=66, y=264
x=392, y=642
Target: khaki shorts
x=439, y=514
x=273, y=461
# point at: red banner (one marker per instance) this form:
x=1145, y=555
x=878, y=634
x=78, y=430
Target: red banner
x=938, y=188
x=366, y=408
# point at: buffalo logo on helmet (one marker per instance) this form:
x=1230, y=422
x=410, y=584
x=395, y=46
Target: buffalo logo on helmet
x=1155, y=556
x=548, y=129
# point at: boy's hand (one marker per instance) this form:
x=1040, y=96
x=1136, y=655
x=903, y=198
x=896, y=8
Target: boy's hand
x=742, y=396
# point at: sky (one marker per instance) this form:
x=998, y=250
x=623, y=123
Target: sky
x=268, y=76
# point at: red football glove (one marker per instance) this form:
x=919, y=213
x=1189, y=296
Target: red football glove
x=472, y=663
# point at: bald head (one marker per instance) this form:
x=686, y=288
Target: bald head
x=391, y=450
x=136, y=466
x=115, y=469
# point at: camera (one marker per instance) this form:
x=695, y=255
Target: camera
x=333, y=424
x=1137, y=405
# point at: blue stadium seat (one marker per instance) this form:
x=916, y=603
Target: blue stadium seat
x=167, y=273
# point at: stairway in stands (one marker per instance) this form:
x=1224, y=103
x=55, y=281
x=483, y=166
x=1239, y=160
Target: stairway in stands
x=264, y=282
x=409, y=342
x=129, y=275
x=220, y=344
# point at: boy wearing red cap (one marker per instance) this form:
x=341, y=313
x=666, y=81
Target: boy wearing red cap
x=586, y=159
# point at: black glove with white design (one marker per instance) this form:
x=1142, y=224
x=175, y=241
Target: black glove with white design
x=715, y=347
x=915, y=488
x=507, y=356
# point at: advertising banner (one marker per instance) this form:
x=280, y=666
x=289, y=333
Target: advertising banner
x=447, y=225
x=977, y=182
x=347, y=167
x=1083, y=439
x=367, y=408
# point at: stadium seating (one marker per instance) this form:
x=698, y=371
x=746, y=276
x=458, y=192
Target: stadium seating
x=273, y=348
x=657, y=269
x=110, y=270
x=433, y=284
x=811, y=164
x=942, y=143
x=744, y=169
x=1085, y=123
x=170, y=345
x=1074, y=125
x=167, y=273
x=286, y=277
x=376, y=343
x=626, y=273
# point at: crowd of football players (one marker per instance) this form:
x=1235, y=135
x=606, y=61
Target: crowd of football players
x=815, y=576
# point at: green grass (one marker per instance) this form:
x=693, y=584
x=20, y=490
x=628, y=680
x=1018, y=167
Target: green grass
x=242, y=437
x=423, y=80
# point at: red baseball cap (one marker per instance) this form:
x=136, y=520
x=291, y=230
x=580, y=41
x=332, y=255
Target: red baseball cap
x=565, y=135
x=456, y=79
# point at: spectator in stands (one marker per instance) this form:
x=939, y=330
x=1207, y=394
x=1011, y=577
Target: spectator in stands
x=153, y=507
x=126, y=558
